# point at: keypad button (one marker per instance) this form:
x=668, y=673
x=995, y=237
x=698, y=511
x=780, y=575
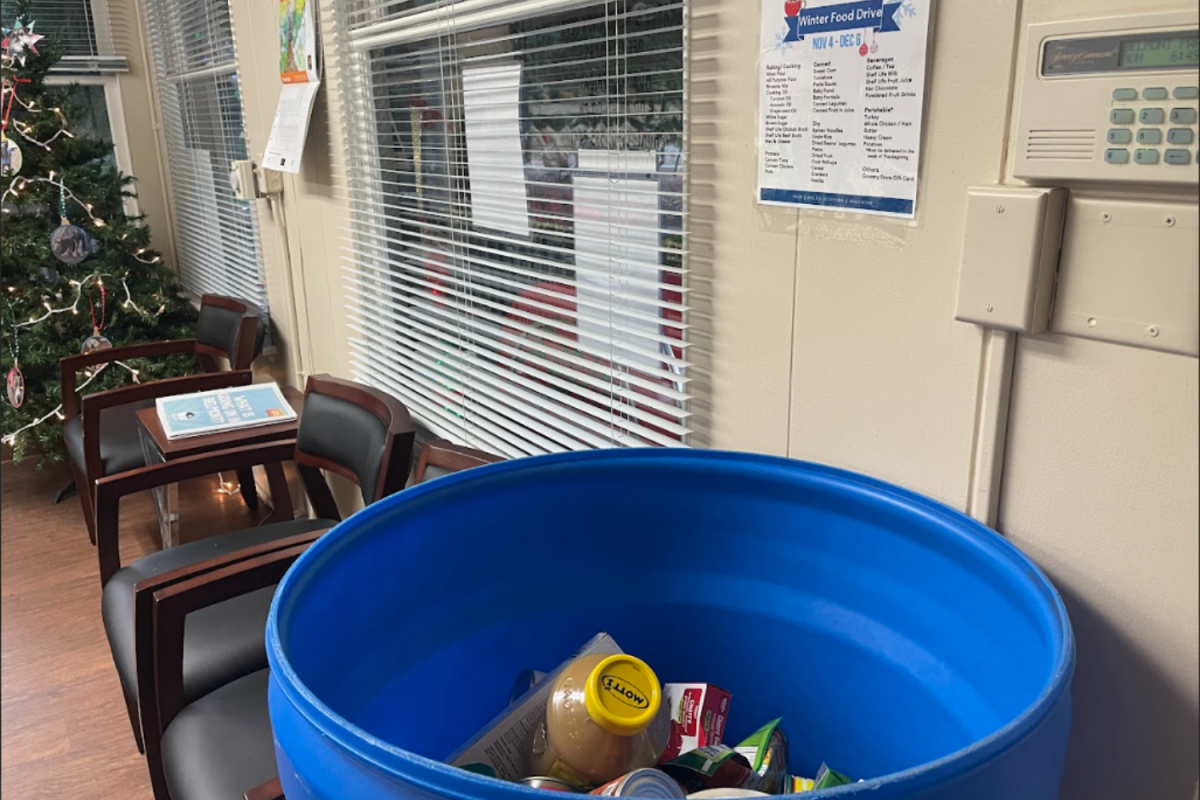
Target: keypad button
x=1180, y=136
x=1146, y=157
x=1183, y=116
x=1179, y=157
x=1122, y=95
x=1122, y=116
x=1121, y=136
x=1156, y=93
x=1150, y=136
x=1187, y=92
x=1153, y=116
x=1117, y=156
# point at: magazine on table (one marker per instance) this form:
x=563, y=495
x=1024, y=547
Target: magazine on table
x=223, y=410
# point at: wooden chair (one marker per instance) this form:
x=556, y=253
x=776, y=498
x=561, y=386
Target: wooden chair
x=360, y=433
x=439, y=457
x=103, y=439
x=219, y=745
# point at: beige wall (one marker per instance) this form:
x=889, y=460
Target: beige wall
x=832, y=339
x=1100, y=487
x=137, y=99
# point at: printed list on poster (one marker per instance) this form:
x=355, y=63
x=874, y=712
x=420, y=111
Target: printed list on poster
x=841, y=94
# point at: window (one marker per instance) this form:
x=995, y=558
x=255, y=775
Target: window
x=73, y=22
x=518, y=173
x=195, y=65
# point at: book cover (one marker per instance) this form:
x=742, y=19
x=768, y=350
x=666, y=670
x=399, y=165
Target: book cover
x=223, y=410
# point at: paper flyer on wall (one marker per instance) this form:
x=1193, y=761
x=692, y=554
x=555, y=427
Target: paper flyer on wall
x=299, y=71
x=841, y=96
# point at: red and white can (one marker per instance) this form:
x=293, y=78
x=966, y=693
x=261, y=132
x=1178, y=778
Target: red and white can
x=650, y=783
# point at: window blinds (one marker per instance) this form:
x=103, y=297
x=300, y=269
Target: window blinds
x=72, y=22
x=195, y=64
x=517, y=261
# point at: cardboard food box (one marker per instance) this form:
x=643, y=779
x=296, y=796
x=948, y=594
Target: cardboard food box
x=698, y=713
x=502, y=748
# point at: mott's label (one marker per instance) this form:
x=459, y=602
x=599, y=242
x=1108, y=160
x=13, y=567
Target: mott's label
x=622, y=695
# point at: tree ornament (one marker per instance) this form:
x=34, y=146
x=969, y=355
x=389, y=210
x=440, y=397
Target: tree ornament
x=15, y=382
x=50, y=275
x=96, y=342
x=10, y=157
x=19, y=41
x=71, y=243
x=16, y=387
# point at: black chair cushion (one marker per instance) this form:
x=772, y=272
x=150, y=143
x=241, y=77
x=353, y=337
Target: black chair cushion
x=221, y=745
x=346, y=434
x=219, y=327
x=221, y=642
x=120, y=445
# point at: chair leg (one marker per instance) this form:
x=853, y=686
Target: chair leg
x=249, y=490
x=135, y=720
x=85, y=502
x=65, y=492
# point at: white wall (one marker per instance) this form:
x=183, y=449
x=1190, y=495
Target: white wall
x=831, y=339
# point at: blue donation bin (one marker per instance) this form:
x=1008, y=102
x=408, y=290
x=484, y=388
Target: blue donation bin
x=901, y=641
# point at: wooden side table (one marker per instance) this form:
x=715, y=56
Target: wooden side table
x=156, y=447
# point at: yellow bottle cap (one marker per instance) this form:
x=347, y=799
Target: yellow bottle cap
x=622, y=695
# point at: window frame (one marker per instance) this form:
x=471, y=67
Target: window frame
x=369, y=198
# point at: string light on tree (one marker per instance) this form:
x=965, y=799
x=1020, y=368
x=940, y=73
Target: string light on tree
x=76, y=267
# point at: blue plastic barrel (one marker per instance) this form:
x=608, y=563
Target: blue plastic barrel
x=901, y=641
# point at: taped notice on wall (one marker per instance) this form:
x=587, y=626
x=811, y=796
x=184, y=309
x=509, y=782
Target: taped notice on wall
x=841, y=97
x=299, y=71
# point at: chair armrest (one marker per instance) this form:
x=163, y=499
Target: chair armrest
x=160, y=675
x=110, y=490
x=70, y=365
x=271, y=790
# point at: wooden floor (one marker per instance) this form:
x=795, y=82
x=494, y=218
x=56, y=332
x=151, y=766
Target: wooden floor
x=65, y=733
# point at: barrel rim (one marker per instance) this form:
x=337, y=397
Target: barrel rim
x=443, y=779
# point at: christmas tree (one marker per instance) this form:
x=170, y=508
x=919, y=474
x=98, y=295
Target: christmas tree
x=76, y=272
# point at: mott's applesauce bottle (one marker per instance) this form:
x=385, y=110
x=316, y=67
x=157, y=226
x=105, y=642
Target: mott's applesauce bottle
x=605, y=718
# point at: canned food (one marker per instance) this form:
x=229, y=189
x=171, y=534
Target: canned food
x=549, y=784
x=709, y=794
x=643, y=783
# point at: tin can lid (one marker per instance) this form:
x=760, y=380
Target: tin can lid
x=622, y=695
x=548, y=783
x=650, y=783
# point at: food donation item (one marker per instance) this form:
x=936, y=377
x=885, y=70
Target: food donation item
x=642, y=783
x=719, y=793
x=549, y=784
x=604, y=718
x=767, y=751
x=502, y=748
x=698, y=712
x=826, y=779
x=712, y=767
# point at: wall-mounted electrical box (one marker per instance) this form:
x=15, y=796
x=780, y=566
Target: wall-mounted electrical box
x=1009, y=257
x=1112, y=99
